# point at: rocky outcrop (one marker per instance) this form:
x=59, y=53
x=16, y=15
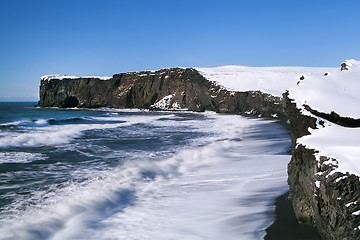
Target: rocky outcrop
x=166, y=89
x=321, y=197
x=335, y=118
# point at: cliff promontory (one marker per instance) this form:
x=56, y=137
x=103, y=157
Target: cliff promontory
x=165, y=89
x=319, y=104
x=324, y=170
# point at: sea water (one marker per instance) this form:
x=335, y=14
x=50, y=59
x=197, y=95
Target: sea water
x=136, y=174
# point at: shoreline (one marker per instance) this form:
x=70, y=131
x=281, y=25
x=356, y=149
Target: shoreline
x=286, y=226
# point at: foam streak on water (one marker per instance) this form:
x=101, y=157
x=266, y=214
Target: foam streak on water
x=111, y=174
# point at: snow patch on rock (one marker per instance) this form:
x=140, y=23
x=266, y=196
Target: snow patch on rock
x=61, y=77
x=163, y=103
x=166, y=104
x=351, y=203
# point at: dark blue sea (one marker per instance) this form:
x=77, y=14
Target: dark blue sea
x=136, y=174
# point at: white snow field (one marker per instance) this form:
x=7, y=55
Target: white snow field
x=339, y=91
x=272, y=80
x=323, y=89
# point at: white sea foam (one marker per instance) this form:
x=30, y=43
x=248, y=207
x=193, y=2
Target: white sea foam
x=42, y=122
x=27, y=122
x=131, y=119
x=16, y=123
x=20, y=157
x=46, y=135
x=224, y=189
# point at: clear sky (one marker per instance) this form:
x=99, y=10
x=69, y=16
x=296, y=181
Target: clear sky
x=104, y=37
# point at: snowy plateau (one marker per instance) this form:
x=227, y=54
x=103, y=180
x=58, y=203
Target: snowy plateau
x=338, y=92
x=323, y=89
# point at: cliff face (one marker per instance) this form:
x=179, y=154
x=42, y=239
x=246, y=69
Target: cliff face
x=324, y=170
x=166, y=89
x=321, y=196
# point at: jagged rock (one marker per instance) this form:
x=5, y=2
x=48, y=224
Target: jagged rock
x=320, y=199
x=335, y=118
x=166, y=89
x=319, y=194
x=344, y=66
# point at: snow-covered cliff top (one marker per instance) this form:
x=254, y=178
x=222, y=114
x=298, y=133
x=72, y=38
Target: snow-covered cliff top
x=272, y=80
x=339, y=91
x=323, y=89
x=337, y=142
x=61, y=77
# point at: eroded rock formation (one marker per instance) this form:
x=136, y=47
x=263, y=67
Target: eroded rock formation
x=319, y=199
x=166, y=89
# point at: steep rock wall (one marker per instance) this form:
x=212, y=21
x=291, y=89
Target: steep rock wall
x=166, y=89
x=321, y=197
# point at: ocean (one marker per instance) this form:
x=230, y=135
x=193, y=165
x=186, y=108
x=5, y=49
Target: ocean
x=136, y=174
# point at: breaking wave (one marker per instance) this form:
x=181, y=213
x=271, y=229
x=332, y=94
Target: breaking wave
x=143, y=175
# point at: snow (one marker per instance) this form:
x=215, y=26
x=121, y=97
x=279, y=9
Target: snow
x=163, y=103
x=341, y=178
x=337, y=142
x=61, y=77
x=356, y=213
x=99, y=77
x=351, y=203
x=58, y=76
x=338, y=91
x=272, y=80
x=175, y=105
x=323, y=89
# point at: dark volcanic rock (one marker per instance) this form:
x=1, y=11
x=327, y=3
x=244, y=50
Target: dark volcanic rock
x=319, y=194
x=177, y=88
x=344, y=66
x=335, y=118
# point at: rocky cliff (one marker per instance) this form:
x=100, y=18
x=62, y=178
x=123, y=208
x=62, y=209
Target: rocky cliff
x=324, y=195
x=320, y=197
x=323, y=173
x=166, y=89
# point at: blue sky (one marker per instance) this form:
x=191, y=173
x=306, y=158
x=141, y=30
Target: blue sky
x=84, y=37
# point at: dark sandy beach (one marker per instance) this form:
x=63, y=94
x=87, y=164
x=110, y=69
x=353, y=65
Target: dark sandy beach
x=286, y=226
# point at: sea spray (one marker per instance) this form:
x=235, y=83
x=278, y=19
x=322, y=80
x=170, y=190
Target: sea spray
x=141, y=175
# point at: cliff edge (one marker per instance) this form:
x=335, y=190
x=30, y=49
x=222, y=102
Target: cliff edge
x=165, y=89
x=324, y=170
x=320, y=105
